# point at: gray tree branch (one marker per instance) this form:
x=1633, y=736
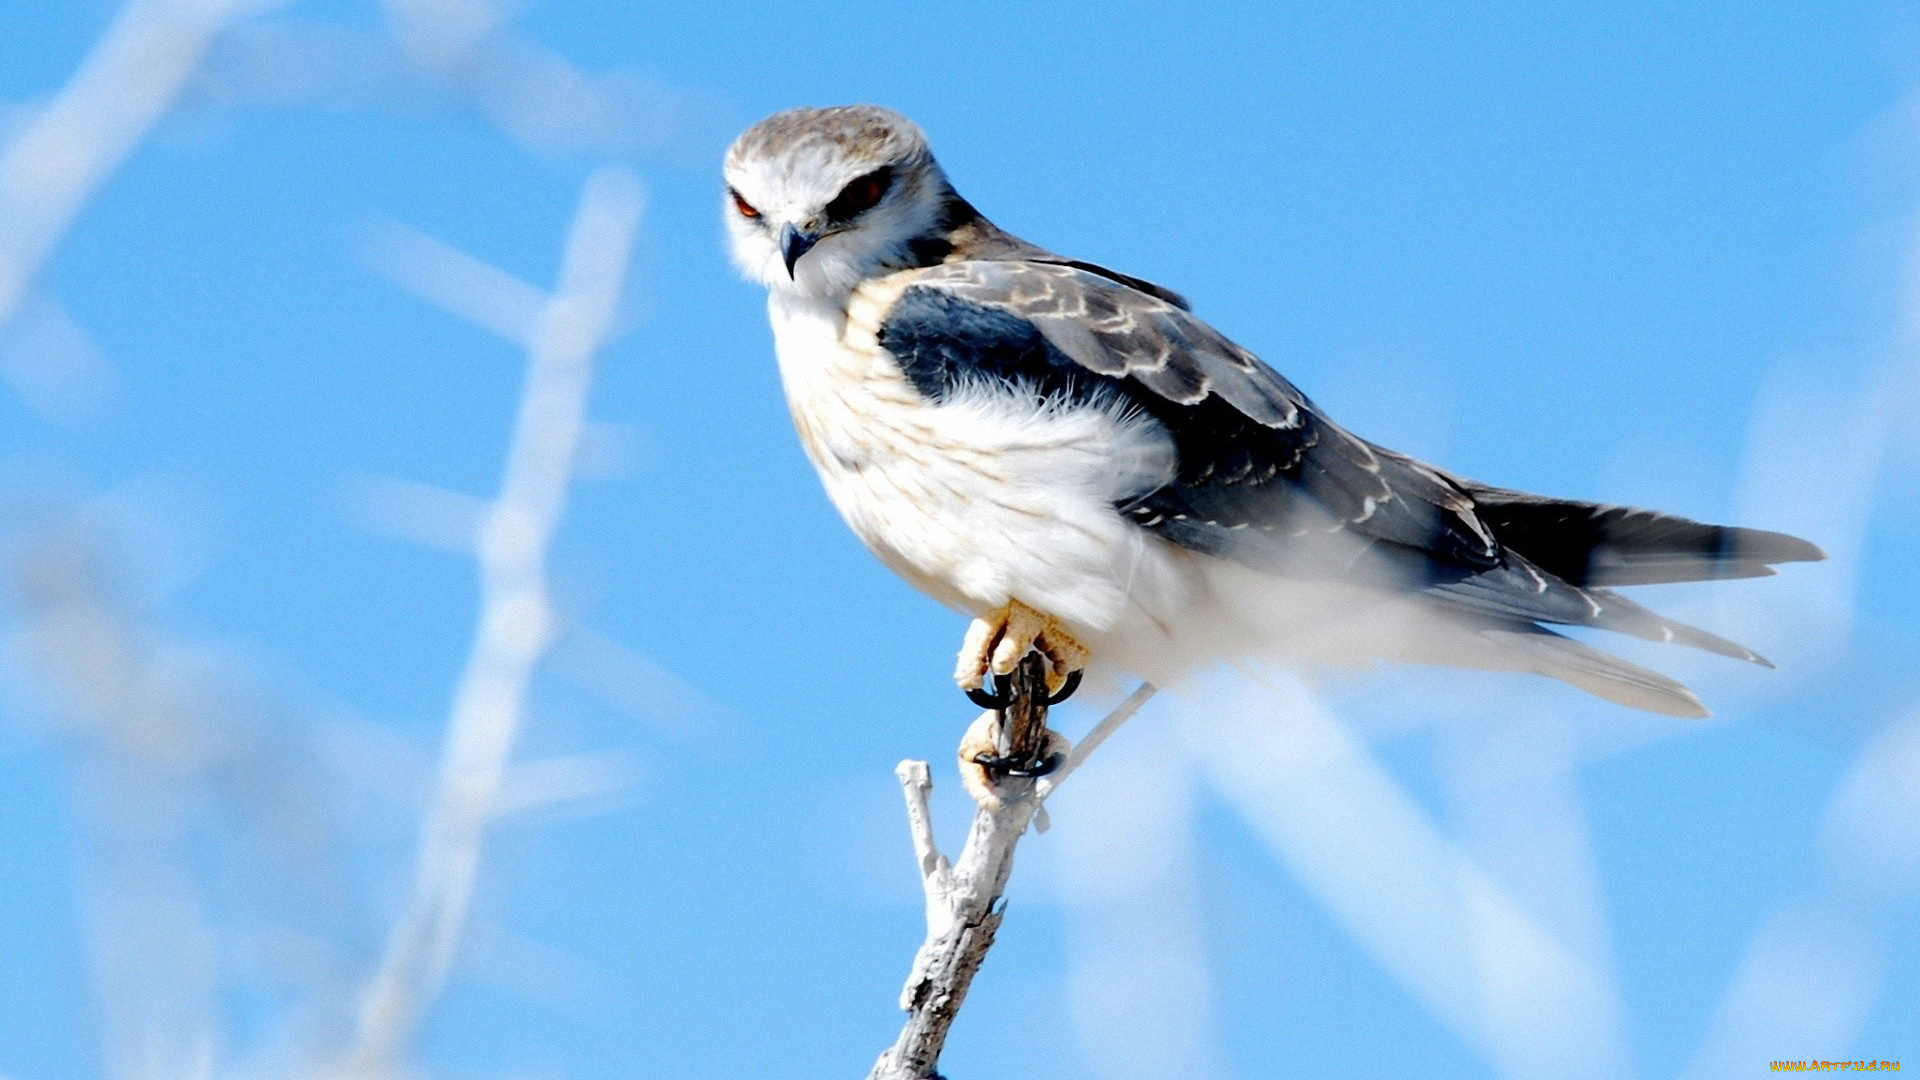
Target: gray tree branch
x=963, y=898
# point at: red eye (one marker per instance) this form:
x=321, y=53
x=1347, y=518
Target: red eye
x=746, y=208
x=860, y=195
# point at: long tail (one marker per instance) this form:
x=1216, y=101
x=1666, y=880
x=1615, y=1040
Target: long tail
x=1590, y=544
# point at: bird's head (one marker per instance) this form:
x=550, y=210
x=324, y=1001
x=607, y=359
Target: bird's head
x=818, y=200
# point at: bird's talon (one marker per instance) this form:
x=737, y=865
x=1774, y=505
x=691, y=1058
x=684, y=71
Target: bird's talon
x=1001, y=695
x=1067, y=687
x=1028, y=768
x=987, y=699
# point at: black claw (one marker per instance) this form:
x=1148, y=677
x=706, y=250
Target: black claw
x=987, y=700
x=998, y=699
x=1027, y=768
x=1066, y=691
x=1042, y=767
x=1001, y=695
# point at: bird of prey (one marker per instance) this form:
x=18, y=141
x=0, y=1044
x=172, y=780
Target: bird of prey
x=1070, y=455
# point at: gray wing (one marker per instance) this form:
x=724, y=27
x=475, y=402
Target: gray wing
x=1259, y=464
x=1264, y=478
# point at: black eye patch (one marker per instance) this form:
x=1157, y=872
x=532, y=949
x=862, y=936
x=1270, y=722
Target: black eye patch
x=861, y=194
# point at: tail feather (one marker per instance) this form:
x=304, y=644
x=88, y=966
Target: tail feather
x=1519, y=590
x=1592, y=544
x=1622, y=614
x=1578, y=664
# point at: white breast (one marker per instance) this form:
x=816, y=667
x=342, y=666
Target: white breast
x=987, y=496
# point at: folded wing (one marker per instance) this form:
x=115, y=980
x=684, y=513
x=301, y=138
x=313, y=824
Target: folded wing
x=1265, y=479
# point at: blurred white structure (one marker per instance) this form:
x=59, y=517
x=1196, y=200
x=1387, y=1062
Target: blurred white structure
x=70, y=145
x=1140, y=987
x=163, y=736
x=516, y=623
x=203, y=830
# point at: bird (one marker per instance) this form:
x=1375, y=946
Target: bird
x=1071, y=456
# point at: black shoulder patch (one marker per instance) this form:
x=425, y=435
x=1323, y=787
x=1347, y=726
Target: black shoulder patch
x=1233, y=471
x=1244, y=487
x=943, y=342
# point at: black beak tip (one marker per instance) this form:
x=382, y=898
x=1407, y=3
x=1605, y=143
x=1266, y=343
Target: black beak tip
x=793, y=244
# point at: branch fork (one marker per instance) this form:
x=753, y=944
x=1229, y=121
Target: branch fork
x=963, y=897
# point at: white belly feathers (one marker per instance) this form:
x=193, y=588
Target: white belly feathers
x=986, y=496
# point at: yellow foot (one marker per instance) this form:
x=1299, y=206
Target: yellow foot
x=982, y=740
x=996, y=644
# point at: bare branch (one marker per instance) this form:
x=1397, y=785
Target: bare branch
x=963, y=898
x=917, y=783
x=471, y=288
x=515, y=624
x=149, y=750
x=132, y=77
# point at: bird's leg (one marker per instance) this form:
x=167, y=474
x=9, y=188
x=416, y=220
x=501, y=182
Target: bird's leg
x=995, y=645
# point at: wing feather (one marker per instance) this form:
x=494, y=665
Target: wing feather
x=1266, y=479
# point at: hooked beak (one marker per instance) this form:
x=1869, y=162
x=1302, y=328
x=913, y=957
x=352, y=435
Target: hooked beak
x=793, y=244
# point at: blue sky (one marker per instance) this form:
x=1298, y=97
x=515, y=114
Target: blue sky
x=1660, y=254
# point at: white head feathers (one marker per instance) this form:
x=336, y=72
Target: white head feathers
x=820, y=199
